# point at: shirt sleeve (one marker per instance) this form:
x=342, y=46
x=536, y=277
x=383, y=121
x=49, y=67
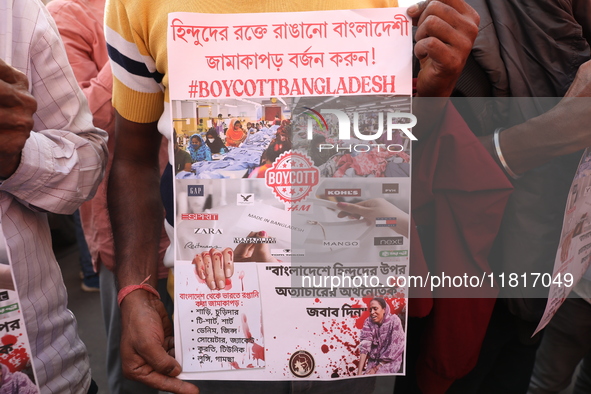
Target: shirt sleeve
x=83, y=38
x=137, y=85
x=63, y=160
x=365, y=338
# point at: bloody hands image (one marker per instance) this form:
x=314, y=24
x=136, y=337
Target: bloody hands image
x=215, y=266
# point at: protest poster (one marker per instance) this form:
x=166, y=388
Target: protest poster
x=17, y=372
x=292, y=139
x=574, y=250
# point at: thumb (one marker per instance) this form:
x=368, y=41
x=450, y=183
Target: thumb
x=160, y=360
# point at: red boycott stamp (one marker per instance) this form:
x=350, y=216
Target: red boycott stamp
x=292, y=177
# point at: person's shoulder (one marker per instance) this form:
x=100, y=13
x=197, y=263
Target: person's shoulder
x=57, y=7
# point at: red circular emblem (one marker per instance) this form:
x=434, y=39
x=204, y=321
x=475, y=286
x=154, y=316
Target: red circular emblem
x=292, y=177
x=302, y=364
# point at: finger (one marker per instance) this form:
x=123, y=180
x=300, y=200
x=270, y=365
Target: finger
x=169, y=384
x=244, y=250
x=415, y=11
x=13, y=96
x=228, y=255
x=354, y=209
x=218, y=268
x=262, y=253
x=451, y=29
x=209, y=276
x=441, y=54
x=454, y=12
x=261, y=250
x=11, y=75
x=344, y=214
x=199, y=266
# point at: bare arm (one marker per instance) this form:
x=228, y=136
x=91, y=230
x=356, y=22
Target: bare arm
x=136, y=216
x=560, y=131
x=445, y=34
x=362, y=360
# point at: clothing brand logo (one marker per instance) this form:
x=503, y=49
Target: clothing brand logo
x=394, y=253
x=385, y=222
x=340, y=244
x=287, y=252
x=254, y=240
x=199, y=216
x=343, y=192
x=390, y=188
x=245, y=199
x=380, y=241
x=207, y=231
x=299, y=207
x=195, y=190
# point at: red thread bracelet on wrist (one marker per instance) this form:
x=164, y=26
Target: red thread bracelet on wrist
x=124, y=292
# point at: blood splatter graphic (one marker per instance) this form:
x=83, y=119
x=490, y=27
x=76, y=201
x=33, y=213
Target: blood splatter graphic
x=18, y=358
x=8, y=339
x=258, y=352
x=324, y=349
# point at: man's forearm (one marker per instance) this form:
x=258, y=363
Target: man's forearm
x=135, y=206
x=563, y=130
